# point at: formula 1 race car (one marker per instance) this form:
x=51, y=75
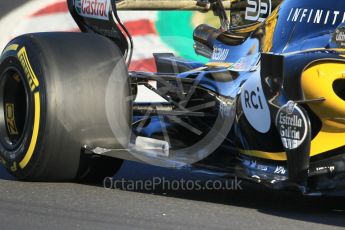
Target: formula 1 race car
x=268, y=106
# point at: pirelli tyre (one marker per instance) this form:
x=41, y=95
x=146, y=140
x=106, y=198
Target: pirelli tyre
x=53, y=101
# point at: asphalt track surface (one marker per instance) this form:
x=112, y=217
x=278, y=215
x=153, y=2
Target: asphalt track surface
x=75, y=206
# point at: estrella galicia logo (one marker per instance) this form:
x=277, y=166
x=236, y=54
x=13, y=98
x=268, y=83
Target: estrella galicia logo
x=258, y=10
x=290, y=107
x=255, y=105
x=292, y=125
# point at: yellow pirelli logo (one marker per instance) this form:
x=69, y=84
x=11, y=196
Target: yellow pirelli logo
x=10, y=120
x=32, y=79
x=12, y=47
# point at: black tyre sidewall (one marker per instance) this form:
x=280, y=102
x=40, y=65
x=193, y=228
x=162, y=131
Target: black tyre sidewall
x=10, y=59
x=74, y=73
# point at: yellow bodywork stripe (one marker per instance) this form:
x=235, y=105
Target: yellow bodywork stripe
x=279, y=156
x=318, y=81
x=219, y=64
x=326, y=141
x=34, y=137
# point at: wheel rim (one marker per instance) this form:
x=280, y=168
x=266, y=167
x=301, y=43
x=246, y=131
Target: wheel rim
x=13, y=108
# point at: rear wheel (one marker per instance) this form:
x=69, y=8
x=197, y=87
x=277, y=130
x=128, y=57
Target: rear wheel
x=53, y=102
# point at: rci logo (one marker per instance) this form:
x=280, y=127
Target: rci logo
x=252, y=99
x=258, y=10
x=254, y=104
